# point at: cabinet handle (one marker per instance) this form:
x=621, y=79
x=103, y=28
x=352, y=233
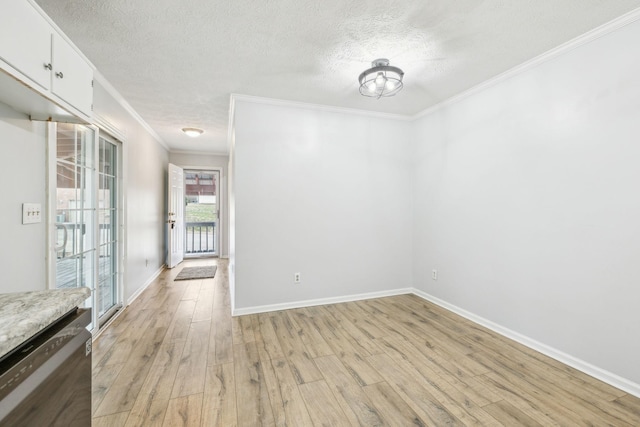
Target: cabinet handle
x=60, y=75
x=48, y=66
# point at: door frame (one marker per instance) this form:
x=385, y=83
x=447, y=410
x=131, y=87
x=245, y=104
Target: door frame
x=119, y=304
x=220, y=189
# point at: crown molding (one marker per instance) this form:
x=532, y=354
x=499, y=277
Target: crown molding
x=127, y=107
x=104, y=124
x=318, y=107
x=200, y=153
x=583, y=39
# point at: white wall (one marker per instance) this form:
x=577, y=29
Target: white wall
x=232, y=209
x=205, y=161
x=22, y=172
x=23, y=167
x=527, y=202
x=145, y=178
x=323, y=193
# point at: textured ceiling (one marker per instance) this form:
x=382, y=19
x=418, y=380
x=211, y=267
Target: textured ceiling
x=177, y=62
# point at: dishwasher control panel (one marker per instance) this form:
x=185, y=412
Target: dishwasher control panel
x=27, y=358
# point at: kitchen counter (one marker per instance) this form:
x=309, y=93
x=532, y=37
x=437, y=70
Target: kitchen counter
x=24, y=314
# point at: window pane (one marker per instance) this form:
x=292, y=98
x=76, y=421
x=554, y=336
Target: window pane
x=107, y=192
x=75, y=271
x=66, y=142
x=85, y=146
x=75, y=210
x=70, y=232
x=107, y=157
x=67, y=273
x=105, y=268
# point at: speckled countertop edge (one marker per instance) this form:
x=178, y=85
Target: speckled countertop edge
x=24, y=314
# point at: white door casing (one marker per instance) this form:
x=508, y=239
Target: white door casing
x=175, y=216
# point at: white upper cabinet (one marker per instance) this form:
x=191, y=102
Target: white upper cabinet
x=72, y=78
x=41, y=73
x=25, y=41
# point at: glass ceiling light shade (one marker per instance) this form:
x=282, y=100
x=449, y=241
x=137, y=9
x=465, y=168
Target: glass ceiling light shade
x=381, y=79
x=193, y=132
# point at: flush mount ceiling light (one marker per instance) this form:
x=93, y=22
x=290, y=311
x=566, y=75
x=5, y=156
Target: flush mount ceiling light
x=381, y=79
x=193, y=132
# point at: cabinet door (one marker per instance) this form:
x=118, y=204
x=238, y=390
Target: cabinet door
x=25, y=41
x=72, y=76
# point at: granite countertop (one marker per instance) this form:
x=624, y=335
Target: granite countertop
x=24, y=314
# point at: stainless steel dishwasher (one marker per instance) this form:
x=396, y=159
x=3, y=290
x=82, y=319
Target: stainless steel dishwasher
x=46, y=381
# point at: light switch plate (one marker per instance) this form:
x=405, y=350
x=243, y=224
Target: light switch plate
x=31, y=213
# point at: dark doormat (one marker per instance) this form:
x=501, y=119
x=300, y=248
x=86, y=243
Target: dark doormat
x=191, y=273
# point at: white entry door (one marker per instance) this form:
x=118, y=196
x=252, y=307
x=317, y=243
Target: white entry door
x=175, y=220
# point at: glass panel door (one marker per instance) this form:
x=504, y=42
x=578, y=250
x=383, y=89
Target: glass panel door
x=108, y=226
x=75, y=206
x=84, y=196
x=201, y=212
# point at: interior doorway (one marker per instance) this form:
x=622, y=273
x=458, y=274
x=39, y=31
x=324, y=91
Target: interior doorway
x=202, y=213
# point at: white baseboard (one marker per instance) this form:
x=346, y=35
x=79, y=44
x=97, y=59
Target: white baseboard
x=146, y=284
x=320, y=301
x=589, y=369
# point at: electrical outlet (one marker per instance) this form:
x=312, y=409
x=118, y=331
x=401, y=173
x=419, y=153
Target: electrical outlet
x=434, y=274
x=31, y=213
x=296, y=277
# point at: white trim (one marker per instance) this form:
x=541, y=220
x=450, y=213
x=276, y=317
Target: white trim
x=319, y=107
x=203, y=168
x=220, y=203
x=108, y=127
x=319, y=301
x=94, y=190
x=230, y=127
x=585, y=38
x=146, y=284
x=50, y=209
x=128, y=108
x=203, y=153
x=589, y=369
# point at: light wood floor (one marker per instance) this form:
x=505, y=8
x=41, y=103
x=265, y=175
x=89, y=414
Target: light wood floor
x=177, y=357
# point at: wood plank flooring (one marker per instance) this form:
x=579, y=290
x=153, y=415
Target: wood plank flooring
x=176, y=357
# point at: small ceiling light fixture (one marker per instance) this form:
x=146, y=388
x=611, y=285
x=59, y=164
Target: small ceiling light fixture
x=193, y=132
x=381, y=79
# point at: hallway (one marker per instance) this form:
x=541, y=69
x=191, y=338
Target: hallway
x=155, y=356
